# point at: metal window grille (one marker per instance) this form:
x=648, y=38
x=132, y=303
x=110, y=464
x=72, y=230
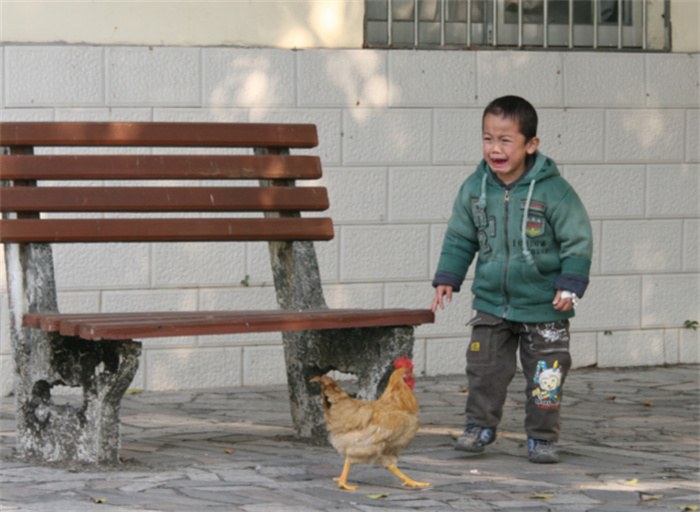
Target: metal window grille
x=555, y=24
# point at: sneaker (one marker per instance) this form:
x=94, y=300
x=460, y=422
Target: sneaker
x=475, y=437
x=541, y=451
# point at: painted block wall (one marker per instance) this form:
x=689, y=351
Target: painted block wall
x=399, y=132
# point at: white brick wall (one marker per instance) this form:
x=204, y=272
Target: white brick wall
x=342, y=78
x=153, y=76
x=368, y=133
x=247, y=78
x=645, y=348
x=69, y=76
x=536, y=77
x=611, y=79
x=399, y=131
x=644, y=135
x=412, y=79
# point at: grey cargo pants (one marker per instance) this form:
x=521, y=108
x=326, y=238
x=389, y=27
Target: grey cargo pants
x=491, y=365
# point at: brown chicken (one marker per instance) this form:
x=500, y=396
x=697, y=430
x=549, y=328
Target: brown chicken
x=369, y=432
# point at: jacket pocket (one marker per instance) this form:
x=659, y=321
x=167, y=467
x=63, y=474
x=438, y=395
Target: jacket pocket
x=481, y=350
x=537, y=282
x=488, y=283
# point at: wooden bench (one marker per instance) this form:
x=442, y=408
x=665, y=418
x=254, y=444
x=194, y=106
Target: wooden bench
x=80, y=196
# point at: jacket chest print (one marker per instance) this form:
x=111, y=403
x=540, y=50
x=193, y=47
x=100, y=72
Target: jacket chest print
x=486, y=226
x=535, y=225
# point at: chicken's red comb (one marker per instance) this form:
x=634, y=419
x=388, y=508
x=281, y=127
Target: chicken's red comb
x=403, y=362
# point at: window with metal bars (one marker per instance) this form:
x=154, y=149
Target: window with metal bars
x=556, y=24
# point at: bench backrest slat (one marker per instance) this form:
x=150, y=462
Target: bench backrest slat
x=159, y=134
x=164, y=230
x=138, y=167
x=162, y=199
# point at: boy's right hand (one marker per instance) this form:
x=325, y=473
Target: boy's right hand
x=442, y=293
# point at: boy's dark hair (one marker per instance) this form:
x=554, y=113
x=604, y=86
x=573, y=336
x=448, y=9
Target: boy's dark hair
x=518, y=109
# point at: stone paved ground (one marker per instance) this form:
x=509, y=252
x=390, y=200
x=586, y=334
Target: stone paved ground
x=629, y=443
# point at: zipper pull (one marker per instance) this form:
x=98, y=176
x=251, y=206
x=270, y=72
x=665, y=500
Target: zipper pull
x=507, y=196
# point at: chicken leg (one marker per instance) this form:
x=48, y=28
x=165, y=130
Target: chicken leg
x=342, y=479
x=407, y=482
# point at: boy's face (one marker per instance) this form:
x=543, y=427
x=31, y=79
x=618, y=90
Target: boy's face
x=505, y=147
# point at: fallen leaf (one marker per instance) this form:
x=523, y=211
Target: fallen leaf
x=634, y=481
x=133, y=391
x=377, y=496
x=541, y=496
x=610, y=397
x=689, y=507
x=100, y=500
x=650, y=497
x=124, y=459
x=647, y=403
x=463, y=390
x=228, y=450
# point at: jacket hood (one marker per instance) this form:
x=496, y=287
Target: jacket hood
x=543, y=167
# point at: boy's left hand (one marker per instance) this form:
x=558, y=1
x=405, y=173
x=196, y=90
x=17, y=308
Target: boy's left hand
x=562, y=304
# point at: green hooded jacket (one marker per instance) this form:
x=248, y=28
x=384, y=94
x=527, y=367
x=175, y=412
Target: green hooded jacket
x=533, y=237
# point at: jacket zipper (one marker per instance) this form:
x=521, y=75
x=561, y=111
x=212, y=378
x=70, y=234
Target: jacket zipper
x=505, y=273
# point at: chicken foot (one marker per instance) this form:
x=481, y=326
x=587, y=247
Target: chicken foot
x=342, y=479
x=407, y=482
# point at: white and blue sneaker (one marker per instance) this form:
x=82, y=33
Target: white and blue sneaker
x=541, y=451
x=475, y=438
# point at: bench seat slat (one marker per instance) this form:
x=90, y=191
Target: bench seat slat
x=118, y=326
x=160, y=199
x=158, y=134
x=164, y=230
x=144, y=167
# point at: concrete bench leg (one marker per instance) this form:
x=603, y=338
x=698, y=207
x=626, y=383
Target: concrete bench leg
x=84, y=432
x=88, y=432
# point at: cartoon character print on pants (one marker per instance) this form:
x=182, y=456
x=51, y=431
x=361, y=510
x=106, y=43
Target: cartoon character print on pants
x=548, y=381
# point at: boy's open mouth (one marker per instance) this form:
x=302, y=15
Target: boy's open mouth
x=498, y=161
